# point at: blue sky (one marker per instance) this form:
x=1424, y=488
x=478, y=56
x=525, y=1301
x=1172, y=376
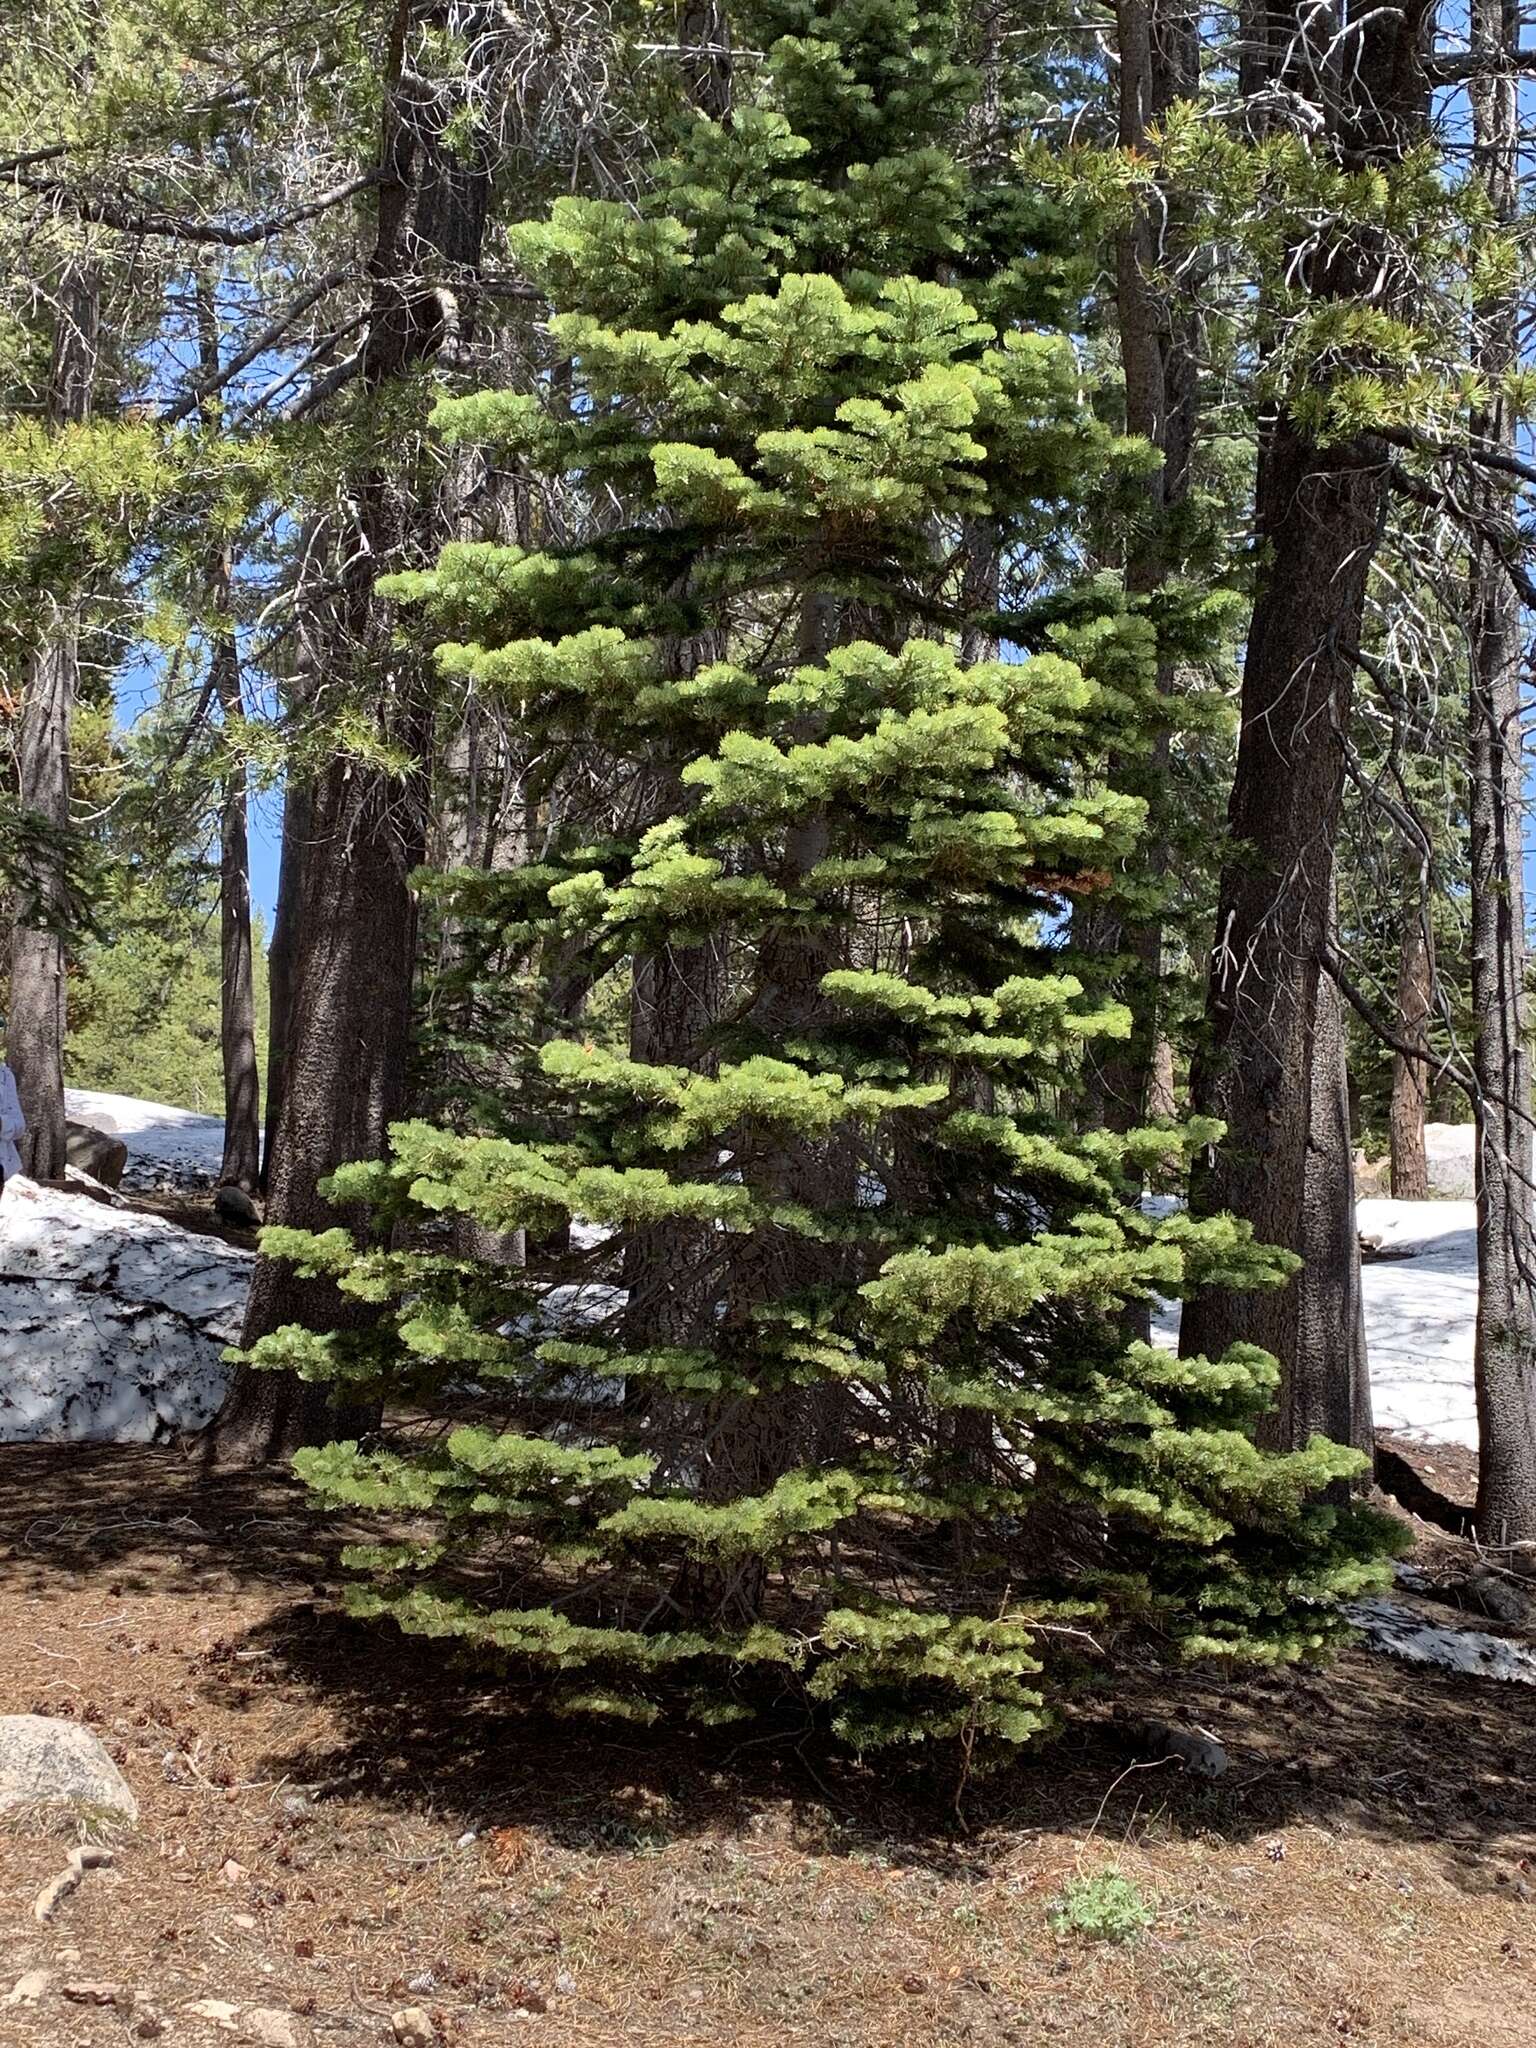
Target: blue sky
x=137, y=689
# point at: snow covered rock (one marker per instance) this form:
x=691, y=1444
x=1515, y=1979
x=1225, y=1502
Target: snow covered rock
x=167, y=1147
x=112, y=1323
x=45, y=1762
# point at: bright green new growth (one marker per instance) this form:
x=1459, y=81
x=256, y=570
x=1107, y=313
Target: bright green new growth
x=1108, y=1906
x=833, y=1390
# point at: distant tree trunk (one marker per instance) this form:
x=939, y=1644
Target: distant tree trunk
x=703, y=34
x=39, y=996
x=354, y=950
x=281, y=959
x=1268, y=1068
x=1328, y=1390
x=1410, y=1077
x=241, y=1164
x=1159, y=64
x=1505, y=1354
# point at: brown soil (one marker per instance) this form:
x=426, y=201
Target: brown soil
x=1449, y=1468
x=335, y=1825
x=192, y=1211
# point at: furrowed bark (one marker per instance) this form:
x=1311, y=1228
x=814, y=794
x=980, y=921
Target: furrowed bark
x=354, y=953
x=1268, y=1068
x=1410, y=1077
x=39, y=992
x=1505, y=1351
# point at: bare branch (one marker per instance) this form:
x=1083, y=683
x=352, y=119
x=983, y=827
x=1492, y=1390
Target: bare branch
x=121, y=215
x=268, y=338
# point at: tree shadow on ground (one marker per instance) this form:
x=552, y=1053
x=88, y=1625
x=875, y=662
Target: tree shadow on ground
x=146, y=1518
x=1367, y=1746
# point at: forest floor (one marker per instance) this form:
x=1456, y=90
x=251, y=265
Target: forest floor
x=333, y=1828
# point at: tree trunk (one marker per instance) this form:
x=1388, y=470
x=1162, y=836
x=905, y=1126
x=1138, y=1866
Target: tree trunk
x=1159, y=64
x=676, y=995
x=1410, y=1077
x=241, y=1164
x=1328, y=1390
x=39, y=995
x=345, y=1082
x=703, y=34
x=1263, y=1070
x=1268, y=1067
x=1505, y=1354
x=281, y=959
x=354, y=947
x=752, y=1440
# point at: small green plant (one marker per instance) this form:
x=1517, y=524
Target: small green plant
x=1105, y=1907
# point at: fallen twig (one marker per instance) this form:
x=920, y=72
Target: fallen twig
x=57, y=1889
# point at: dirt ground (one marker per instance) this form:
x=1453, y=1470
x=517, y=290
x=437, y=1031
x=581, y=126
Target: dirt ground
x=335, y=1826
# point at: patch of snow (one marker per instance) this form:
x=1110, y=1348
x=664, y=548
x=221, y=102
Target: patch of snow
x=167, y=1147
x=1390, y=1626
x=567, y=1309
x=112, y=1323
x=1420, y=1317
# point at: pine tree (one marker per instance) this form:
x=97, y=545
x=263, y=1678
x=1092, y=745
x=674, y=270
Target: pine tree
x=887, y=1441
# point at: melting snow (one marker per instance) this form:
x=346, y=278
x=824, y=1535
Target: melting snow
x=112, y=1323
x=1401, y=1632
x=1420, y=1314
x=166, y=1146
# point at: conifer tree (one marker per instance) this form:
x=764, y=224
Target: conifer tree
x=888, y=1442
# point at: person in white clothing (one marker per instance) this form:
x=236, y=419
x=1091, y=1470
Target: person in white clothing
x=13, y=1124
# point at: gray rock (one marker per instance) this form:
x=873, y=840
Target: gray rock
x=235, y=1205
x=95, y=1152
x=266, y=2027
x=1198, y=1752
x=45, y=1762
x=1501, y=1596
x=1202, y=1754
